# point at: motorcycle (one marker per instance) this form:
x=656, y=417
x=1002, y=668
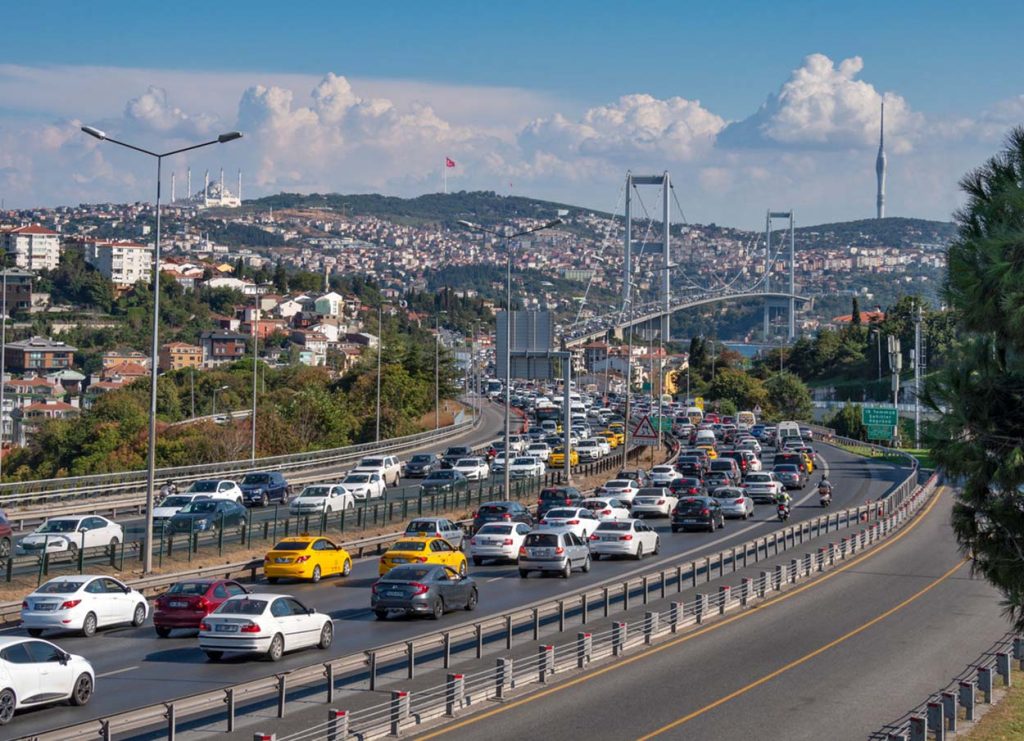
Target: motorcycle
x=824, y=496
x=783, y=512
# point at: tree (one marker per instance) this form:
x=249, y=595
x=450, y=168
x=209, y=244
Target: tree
x=847, y=422
x=855, y=313
x=979, y=438
x=789, y=397
x=738, y=387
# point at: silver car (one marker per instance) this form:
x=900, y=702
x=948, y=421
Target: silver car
x=557, y=550
x=735, y=502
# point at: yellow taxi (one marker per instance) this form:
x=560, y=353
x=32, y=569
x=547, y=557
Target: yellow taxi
x=617, y=427
x=615, y=439
x=808, y=461
x=556, y=459
x=710, y=450
x=423, y=549
x=306, y=557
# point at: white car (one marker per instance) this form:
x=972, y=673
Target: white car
x=753, y=463
x=622, y=489
x=664, y=475
x=762, y=486
x=498, y=464
x=169, y=506
x=526, y=466
x=217, y=489
x=654, y=500
x=474, y=469
x=364, y=484
x=606, y=508
x=578, y=520
x=497, y=540
x=735, y=501
x=588, y=450
x=263, y=623
x=35, y=672
x=322, y=498
x=632, y=538
x=517, y=443
x=388, y=466
x=603, y=445
x=82, y=602
x=70, y=533
x=539, y=450
x=750, y=444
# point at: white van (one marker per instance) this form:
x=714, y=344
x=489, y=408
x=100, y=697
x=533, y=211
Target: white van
x=785, y=431
x=705, y=437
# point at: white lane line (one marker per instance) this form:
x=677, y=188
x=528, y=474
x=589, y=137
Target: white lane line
x=116, y=671
x=497, y=578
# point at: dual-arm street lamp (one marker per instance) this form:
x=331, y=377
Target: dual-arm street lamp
x=154, y=366
x=508, y=237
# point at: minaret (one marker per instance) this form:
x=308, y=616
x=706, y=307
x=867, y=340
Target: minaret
x=221, y=187
x=206, y=189
x=172, y=188
x=188, y=192
x=880, y=165
x=239, y=193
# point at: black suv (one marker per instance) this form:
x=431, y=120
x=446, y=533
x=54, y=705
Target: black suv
x=697, y=513
x=501, y=512
x=454, y=453
x=264, y=487
x=559, y=496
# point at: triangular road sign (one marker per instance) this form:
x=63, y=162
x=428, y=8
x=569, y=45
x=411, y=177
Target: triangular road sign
x=644, y=431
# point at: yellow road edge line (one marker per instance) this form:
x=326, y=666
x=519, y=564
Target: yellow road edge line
x=476, y=718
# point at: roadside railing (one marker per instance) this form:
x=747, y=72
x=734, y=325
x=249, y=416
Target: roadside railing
x=876, y=521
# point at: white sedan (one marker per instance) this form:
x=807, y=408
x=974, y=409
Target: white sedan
x=72, y=533
x=603, y=445
x=654, y=500
x=35, y=672
x=540, y=450
x=364, y=485
x=474, y=469
x=622, y=489
x=82, y=603
x=664, y=475
x=632, y=538
x=735, y=502
x=606, y=508
x=497, y=540
x=526, y=466
x=322, y=499
x=579, y=520
x=263, y=623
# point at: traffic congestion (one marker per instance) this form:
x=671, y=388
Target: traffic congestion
x=723, y=467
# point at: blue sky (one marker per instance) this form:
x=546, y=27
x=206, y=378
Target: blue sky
x=528, y=93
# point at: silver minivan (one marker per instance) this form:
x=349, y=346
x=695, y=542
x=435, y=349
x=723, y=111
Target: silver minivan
x=558, y=550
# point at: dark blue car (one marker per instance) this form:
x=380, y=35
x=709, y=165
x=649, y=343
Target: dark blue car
x=264, y=487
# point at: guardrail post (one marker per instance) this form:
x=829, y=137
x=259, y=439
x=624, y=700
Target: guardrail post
x=625, y=595
x=724, y=597
x=618, y=637
x=985, y=683
x=479, y=640
x=779, y=576
x=650, y=626
x=937, y=720
x=536, y=623
x=372, y=669
x=169, y=715
x=679, y=579
x=794, y=568
x=1018, y=649
x=545, y=663
x=821, y=559
x=561, y=616
x=949, y=710
x=329, y=673
x=1003, y=667
x=337, y=724
x=967, y=698
x=584, y=609
x=399, y=710
x=918, y=728
x=282, y=690
x=456, y=690
x=831, y=554
x=606, y=596
x=763, y=583
x=645, y=586
x=707, y=569
x=693, y=574
x=410, y=656
x=746, y=590
x=700, y=607
x=508, y=631
x=584, y=648
x=734, y=559
x=674, y=611
x=229, y=701
x=502, y=676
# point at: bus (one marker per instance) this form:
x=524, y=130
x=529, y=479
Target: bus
x=695, y=415
x=746, y=419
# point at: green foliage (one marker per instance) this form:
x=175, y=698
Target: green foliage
x=847, y=422
x=790, y=398
x=741, y=389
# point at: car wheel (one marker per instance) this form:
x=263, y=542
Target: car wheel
x=271, y=580
x=639, y=551
x=89, y=625
x=438, y=610
x=162, y=631
x=471, y=603
x=381, y=614
x=214, y=655
x=477, y=561
x=82, y=692
x=586, y=565
x=326, y=635
x=523, y=574
x=139, y=616
x=276, y=650
x=264, y=500
x=567, y=569
x=657, y=546
x=35, y=632
x=316, y=574
x=463, y=568
x=347, y=568
x=7, y=703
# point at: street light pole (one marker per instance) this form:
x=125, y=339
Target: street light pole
x=219, y=388
x=380, y=343
x=147, y=564
x=255, y=372
x=3, y=368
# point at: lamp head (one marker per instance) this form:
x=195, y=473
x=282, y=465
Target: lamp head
x=467, y=224
x=230, y=136
x=93, y=131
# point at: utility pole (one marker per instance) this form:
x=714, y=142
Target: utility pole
x=917, y=377
x=895, y=365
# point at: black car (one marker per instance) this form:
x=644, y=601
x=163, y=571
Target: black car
x=454, y=453
x=690, y=465
x=423, y=589
x=445, y=480
x=207, y=516
x=420, y=466
x=638, y=475
x=264, y=487
x=558, y=496
x=501, y=512
x=697, y=513
x=688, y=486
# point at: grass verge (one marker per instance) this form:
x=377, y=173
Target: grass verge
x=1005, y=721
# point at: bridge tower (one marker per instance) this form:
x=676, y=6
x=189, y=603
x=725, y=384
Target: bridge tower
x=791, y=260
x=664, y=282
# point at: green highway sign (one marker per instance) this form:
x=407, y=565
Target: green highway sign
x=880, y=432
x=879, y=417
x=665, y=423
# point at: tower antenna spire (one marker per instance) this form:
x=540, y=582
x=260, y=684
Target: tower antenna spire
x=880, y=166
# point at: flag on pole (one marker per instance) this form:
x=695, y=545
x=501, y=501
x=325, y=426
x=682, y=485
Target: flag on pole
x=449, y=162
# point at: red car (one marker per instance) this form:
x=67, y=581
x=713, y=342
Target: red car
x=186, y=603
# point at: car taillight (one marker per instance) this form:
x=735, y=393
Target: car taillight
x=250, y=628
x=418, y=588
x=625, y=537
x=543, y=521
x=506, y=516
x=559, y=550
x=266, y=558
x=204, y=626
x=373, y=589
x=472, y=541
x=202, y=604
x=568, y=501
x=705, y=512
x=540, y=501
x=302, y=559
x=740, y=500
x=509, y=541
x=421, y=559
x=594, y=536
x=522, y=550
x=661, y=501
x=572, y=522
x=24, y=604
x=67, y=605
x=606, y=512
x=692, y=491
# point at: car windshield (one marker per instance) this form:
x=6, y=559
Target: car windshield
x=372, y=462
x=620, y=526
x=542, y=539
x=421, y=459
x=243, y=606
x=357, y=478
x=189, y=588
x=203, y=505
x=59, y=586
x=291, y=545
x=442, y=475
x=315, y=491
x=175, y=501
x=204, y=486
x=495, y=530
x=409, y=545
x=467, y=462
x=256, y=478
x=561, y=513
x=59, y=526
x=524, y=461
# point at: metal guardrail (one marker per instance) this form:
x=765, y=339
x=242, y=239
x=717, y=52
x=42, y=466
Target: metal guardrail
x=880, y=518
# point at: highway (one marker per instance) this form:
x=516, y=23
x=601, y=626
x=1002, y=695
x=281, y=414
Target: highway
x=135, y=668
x=835, y=658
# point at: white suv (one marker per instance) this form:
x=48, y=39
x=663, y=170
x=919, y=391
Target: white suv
x=386, y=465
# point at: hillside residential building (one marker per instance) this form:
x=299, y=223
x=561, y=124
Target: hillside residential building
x=19, y=289
x=177, y=355
x=39, y=354
x=27, y=418
x=34, y=247
x=222, y=347
x=122, y=263
x=124, y=355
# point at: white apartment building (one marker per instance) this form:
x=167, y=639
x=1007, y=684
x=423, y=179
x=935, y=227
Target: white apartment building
x=35, y=247
x=122, y=263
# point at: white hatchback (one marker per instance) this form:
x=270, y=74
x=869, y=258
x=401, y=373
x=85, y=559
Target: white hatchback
x=35, y=672
x=322, y=499
x=664, y=475
x=82, y=603
x=263, y=623
x=632, y=538
x=654, y=500
x=72, y=533
x=578, y=520
x=606, y=508
x=498, y=540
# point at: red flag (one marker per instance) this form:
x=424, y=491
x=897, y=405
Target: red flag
x=449, y=162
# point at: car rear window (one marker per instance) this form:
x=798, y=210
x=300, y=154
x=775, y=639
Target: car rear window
x=619, y=526
x=59, y=587
x=493, y=509
x=787, y=468
x=594, y=504
x=421, y=526
x=407, y=573
x=694, y=505
x=244, y=606
x=551, y=494
x=189, y=587
x=561, y=513
x=409, y=545
x=542, y=539
x=496, y=529
x=291, y=545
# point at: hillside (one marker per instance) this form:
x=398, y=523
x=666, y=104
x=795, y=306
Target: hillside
x=890, y=232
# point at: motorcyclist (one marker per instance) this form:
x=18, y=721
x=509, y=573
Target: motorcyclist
x=783, y=499
x=825, y=486
x=168, y=489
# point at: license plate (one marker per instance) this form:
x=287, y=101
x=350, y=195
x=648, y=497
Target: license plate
x=691, y=521
x=282, y=560
x=393, y=594
x=219, y=628
x=46, y=606
x=399, y=560
x=609, y=537
x=177, y=604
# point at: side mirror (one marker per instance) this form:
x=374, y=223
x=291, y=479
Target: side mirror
x=64, y=659
x=127, y=589
x=311, y=611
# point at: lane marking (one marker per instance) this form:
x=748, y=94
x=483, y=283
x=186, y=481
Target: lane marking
x=696, y=634
x=116, y=671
